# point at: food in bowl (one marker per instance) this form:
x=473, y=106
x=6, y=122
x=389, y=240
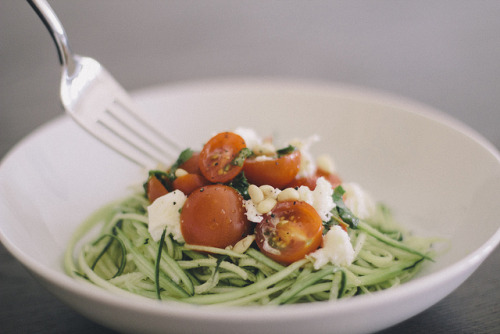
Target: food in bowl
x=408, y=156
x=241, y=223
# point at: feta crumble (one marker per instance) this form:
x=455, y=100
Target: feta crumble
x=320, y=198
x=337, y=249
x=164, y=213
x=250, y=137
x=358, y=200
x=307, y=163
x=251, y=211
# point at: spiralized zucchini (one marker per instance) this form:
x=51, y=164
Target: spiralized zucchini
x=123, y=259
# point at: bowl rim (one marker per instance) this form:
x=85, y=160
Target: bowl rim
x=183, y=310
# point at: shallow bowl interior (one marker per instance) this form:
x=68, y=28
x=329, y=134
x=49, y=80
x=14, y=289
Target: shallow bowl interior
x=439, y=177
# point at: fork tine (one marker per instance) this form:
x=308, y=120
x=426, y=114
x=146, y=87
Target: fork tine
x=134, y=122
x=174, y=146
x=131, y=135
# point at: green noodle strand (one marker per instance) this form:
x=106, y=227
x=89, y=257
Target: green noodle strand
x=123, y=259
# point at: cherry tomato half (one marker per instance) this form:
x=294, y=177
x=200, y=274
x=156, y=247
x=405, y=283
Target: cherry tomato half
x=289, y=232
x=155, y=189
x=214, y=216
x=189, y=182
x=277, y=172
x=310, y=181
x=192, y=165
x=217, y=154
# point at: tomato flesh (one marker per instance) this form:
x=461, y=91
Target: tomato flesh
x=277, y=172
x=214, y=216
x=192, y=165
x=289, y=232
x=310, y=181
x=189, y=182
x=215, y=160
x=333, y=178
x=155, y=189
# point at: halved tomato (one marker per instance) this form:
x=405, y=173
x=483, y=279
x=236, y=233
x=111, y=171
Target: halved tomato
x=289, y=232
x=155, y=188
x=277, y=172
x=310, y=181
x=217, y=157
x=192, y=165
x=214, y=215
x=189, y=182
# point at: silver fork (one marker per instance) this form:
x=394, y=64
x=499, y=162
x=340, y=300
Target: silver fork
x=101, y=106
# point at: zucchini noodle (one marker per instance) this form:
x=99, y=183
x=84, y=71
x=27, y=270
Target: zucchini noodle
x=123, y=258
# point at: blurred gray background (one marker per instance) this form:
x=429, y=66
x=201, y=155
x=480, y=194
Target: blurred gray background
x=442, y=53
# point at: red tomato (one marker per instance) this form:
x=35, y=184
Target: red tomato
x=189, y=182
x=310, y=181
x=214, y=216
x=333, y=178
x=289, y=232
x=191, y=165
x=217, y=154
x=155, y=189
x=277, y=172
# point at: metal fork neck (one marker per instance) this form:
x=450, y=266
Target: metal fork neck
x=56, y=30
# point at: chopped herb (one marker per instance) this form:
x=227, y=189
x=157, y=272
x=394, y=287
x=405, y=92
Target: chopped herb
x=161, y=176
x=239, y=160
x=287, y=150
x=240, y=184
x=343, y=211
x=183, y=157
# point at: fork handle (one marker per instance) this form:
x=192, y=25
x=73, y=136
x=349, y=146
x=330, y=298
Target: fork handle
x=56, y=30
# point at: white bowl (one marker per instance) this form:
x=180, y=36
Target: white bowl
x=441, y=178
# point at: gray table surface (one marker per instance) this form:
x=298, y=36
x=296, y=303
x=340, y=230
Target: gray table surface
x=442, y=53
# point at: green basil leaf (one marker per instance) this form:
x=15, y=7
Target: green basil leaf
x=240, y=184
x=347, y=216
x=284, y=151
x=183, y=157
x=239, y=160
x=161, y=176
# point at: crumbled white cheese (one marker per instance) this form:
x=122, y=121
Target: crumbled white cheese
x=263, y=158
x=322, y=199
x=164, y=213
x=305, y=195
x=358, y=200
x=251, y=211
x=266, y=148
x=307, y=163
x=251, y=137
x=337, y=249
